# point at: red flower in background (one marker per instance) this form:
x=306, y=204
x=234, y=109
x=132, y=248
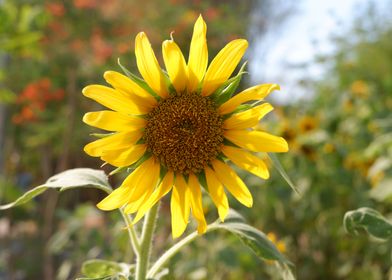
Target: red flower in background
x=55, y=9
x=85, y=4
x=34, y=98
x=101, y=50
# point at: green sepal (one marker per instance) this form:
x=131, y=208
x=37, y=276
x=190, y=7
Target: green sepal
x=226, y=91
x=201, y=176
x=140, y=82
x=145, y=157
x=162, y=172
x=169, y=85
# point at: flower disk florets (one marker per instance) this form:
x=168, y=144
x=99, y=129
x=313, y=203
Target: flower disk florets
x=184, y=132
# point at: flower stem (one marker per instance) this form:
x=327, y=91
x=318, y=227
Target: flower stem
x=135, y=243
x=145, y=245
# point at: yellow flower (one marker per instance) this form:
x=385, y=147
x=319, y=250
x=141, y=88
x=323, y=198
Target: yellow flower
x=307, y=124
x=176, y=135
x=360, y=88
x=280, y=245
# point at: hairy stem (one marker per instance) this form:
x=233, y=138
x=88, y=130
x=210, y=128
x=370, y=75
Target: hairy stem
x=135, y=243
x=145, y=245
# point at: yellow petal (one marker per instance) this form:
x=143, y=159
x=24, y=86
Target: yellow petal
x=196, y=203
x=113, y=121
x=114, y=200
x=129, y=87
x=143, y=186
x=161, y=191
x=198, y=55
x=115, y=100
x=142, y=179
x=217, y=193
x=257, y=141
x=112, y=142
x=180, y=206
x=137, y=204
x=148, y=65
x=223, y=65
x=124, y=156
x=232, y=182
x=175, y=65
x=253, y=93
x=246, y=161
x=248, y=118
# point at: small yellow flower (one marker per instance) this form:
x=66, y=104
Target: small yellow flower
x=280, y=245
x=307, y=124
x=360, y=88
x=329, y=148
x=176, y=135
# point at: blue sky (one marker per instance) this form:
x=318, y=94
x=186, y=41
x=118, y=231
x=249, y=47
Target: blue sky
x=306, y=33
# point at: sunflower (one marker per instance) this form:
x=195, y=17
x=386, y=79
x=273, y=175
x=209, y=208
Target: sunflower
x=178, y=129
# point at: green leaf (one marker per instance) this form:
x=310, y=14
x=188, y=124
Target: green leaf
x=69, y=179
x=103, y=269
x=369, y=220
x=253, y=238
x=283, y=172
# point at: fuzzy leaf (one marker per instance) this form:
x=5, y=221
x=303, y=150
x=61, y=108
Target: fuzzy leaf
x=69, y=179
x=103, y=269
x=254, y=239
x=369, y=220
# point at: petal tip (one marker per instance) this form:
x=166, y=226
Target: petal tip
x=86, y=90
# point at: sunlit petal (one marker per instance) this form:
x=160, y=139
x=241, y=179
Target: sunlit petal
x=148, y=65
x=248, y=118
x=217, y=193
x=232, y=182
x=115, y=100
x=246, y=161
x=257, y=141
x=175, y=65
x=113, y=121
x=196, y=203
x=198, y=55
x=223, y=65
x=253, y=93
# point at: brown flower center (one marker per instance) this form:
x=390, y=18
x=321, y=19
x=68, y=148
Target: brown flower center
x=184, y=132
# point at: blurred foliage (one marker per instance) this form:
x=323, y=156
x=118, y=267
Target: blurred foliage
x=340, y=144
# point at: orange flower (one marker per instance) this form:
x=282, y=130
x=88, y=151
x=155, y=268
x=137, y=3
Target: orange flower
x=55, y=9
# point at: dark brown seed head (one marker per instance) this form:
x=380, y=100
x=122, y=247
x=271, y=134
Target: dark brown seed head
x=184, y=132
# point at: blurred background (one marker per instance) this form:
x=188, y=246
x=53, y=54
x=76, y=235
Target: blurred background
x=333, y=60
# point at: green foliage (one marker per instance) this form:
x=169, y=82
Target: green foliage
x=369, y=220
x=102, y=269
